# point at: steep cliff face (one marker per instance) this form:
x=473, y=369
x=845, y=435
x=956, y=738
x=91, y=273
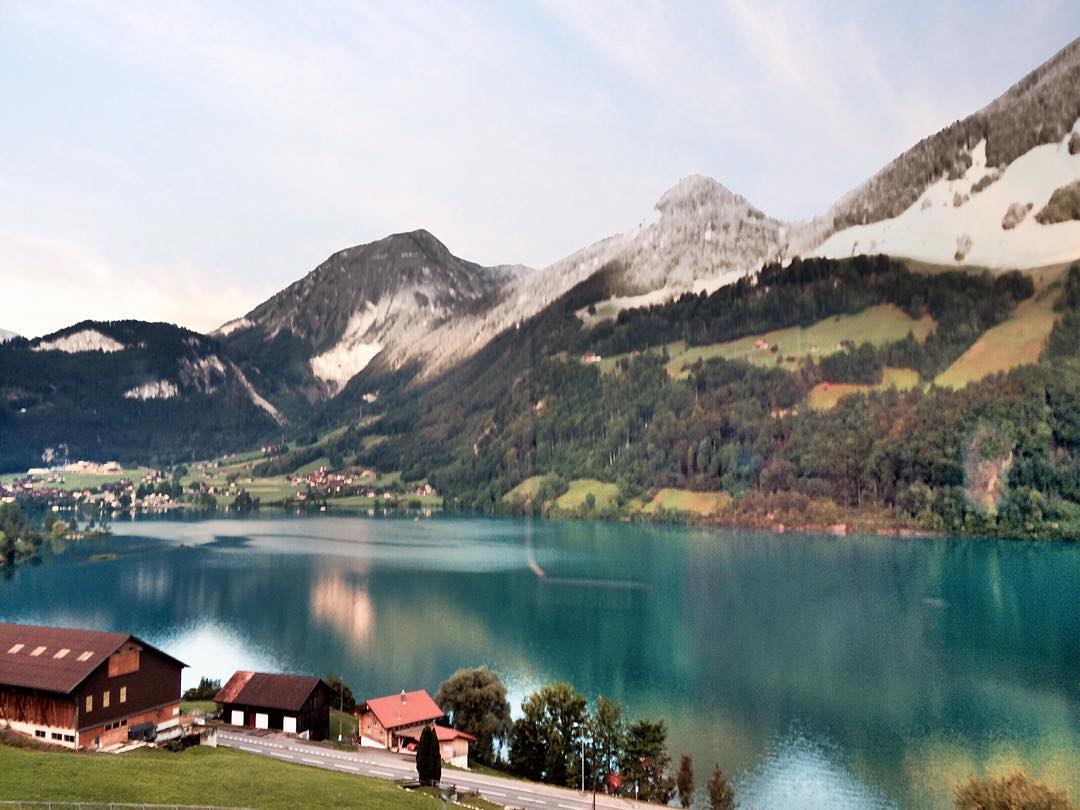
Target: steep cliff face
x=383, y=296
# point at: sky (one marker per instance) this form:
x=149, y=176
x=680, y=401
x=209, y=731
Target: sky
x=183, y=161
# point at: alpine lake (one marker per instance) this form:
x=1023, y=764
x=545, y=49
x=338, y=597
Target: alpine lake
x=817, y=671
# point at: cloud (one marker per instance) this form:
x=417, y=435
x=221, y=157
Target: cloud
x=49, y=284
x=196, y=147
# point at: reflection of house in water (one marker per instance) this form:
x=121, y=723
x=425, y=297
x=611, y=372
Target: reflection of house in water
x=395, y=722
x=345, y=607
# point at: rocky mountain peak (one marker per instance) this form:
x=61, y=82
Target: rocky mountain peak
x=697, y=193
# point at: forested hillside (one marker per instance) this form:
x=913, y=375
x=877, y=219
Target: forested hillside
x=999, y=456
x=126, y=390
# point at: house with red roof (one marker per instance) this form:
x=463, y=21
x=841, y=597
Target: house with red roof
x=294, y=704
x=395, y=722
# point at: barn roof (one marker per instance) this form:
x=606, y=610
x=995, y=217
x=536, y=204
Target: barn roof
x=268, y=690
x=405, y=709
x=57, y=659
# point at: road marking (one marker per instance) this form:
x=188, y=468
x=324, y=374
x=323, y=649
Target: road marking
x=570, y=806
x=380, y=773
x=312, y=761
x=494, y=793
x=280, y=756
x=348, y=767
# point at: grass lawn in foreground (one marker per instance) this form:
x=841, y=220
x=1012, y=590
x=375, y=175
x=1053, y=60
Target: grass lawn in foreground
x=217, y=776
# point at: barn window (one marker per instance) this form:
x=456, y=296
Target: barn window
x=69, y=738
x=124, y=662
x=15, y=648
x=61, y=653
x=123, y=694
x=38, y=651
x=105, y=699
x=39, y=733
x=85, y=656
x=89, y=703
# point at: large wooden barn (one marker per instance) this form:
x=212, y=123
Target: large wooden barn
x=295, y=704
x=84, y=688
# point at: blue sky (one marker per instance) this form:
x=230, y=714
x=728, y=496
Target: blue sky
x=182, y=161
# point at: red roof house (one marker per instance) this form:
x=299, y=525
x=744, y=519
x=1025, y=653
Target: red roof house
x=395, y=722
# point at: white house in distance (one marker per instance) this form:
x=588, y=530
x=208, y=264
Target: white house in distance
x=395, y=722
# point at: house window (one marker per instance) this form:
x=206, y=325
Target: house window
x=15, y=648
x=89, y=703
x=105, y=699
x=61, y=653
x=123, y=694
x=37, y=651
x=39, y=733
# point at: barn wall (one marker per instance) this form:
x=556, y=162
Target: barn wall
x=154, y=686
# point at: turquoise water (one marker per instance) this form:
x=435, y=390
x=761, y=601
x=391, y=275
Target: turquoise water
x=819, y=672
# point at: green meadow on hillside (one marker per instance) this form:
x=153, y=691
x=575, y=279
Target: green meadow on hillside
x=878, y=325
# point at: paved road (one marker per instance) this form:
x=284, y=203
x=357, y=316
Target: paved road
x=386, y=765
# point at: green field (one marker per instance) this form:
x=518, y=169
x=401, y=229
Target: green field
x=218, y=776
x=1017, y=341
x=824, y=396
x=879, y=325
x=687, y=502
x=573, y=499
x=343, y=724
x=205, y=706
x=526, y=491
x=312, y=466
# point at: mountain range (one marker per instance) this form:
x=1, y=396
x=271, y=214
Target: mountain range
x=999, y=189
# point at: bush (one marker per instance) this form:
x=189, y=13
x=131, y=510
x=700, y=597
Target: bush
x=428, y=761
x=206, y=690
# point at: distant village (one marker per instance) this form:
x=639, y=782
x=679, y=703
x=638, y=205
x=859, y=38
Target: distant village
x=151, y=491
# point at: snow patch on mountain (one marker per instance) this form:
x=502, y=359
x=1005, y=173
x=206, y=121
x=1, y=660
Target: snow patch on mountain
x=203, y=373
x=351, y=355
x=158, y=389
x=256, y=398
x=983, y=217
x=86, y=340
x=229, y=327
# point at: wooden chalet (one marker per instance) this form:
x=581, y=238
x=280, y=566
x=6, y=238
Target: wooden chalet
x=390, y=722
x=84, y=688
x=294, y=704
x=395, y=722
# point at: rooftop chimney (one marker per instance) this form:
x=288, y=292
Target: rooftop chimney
x=402, y=695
